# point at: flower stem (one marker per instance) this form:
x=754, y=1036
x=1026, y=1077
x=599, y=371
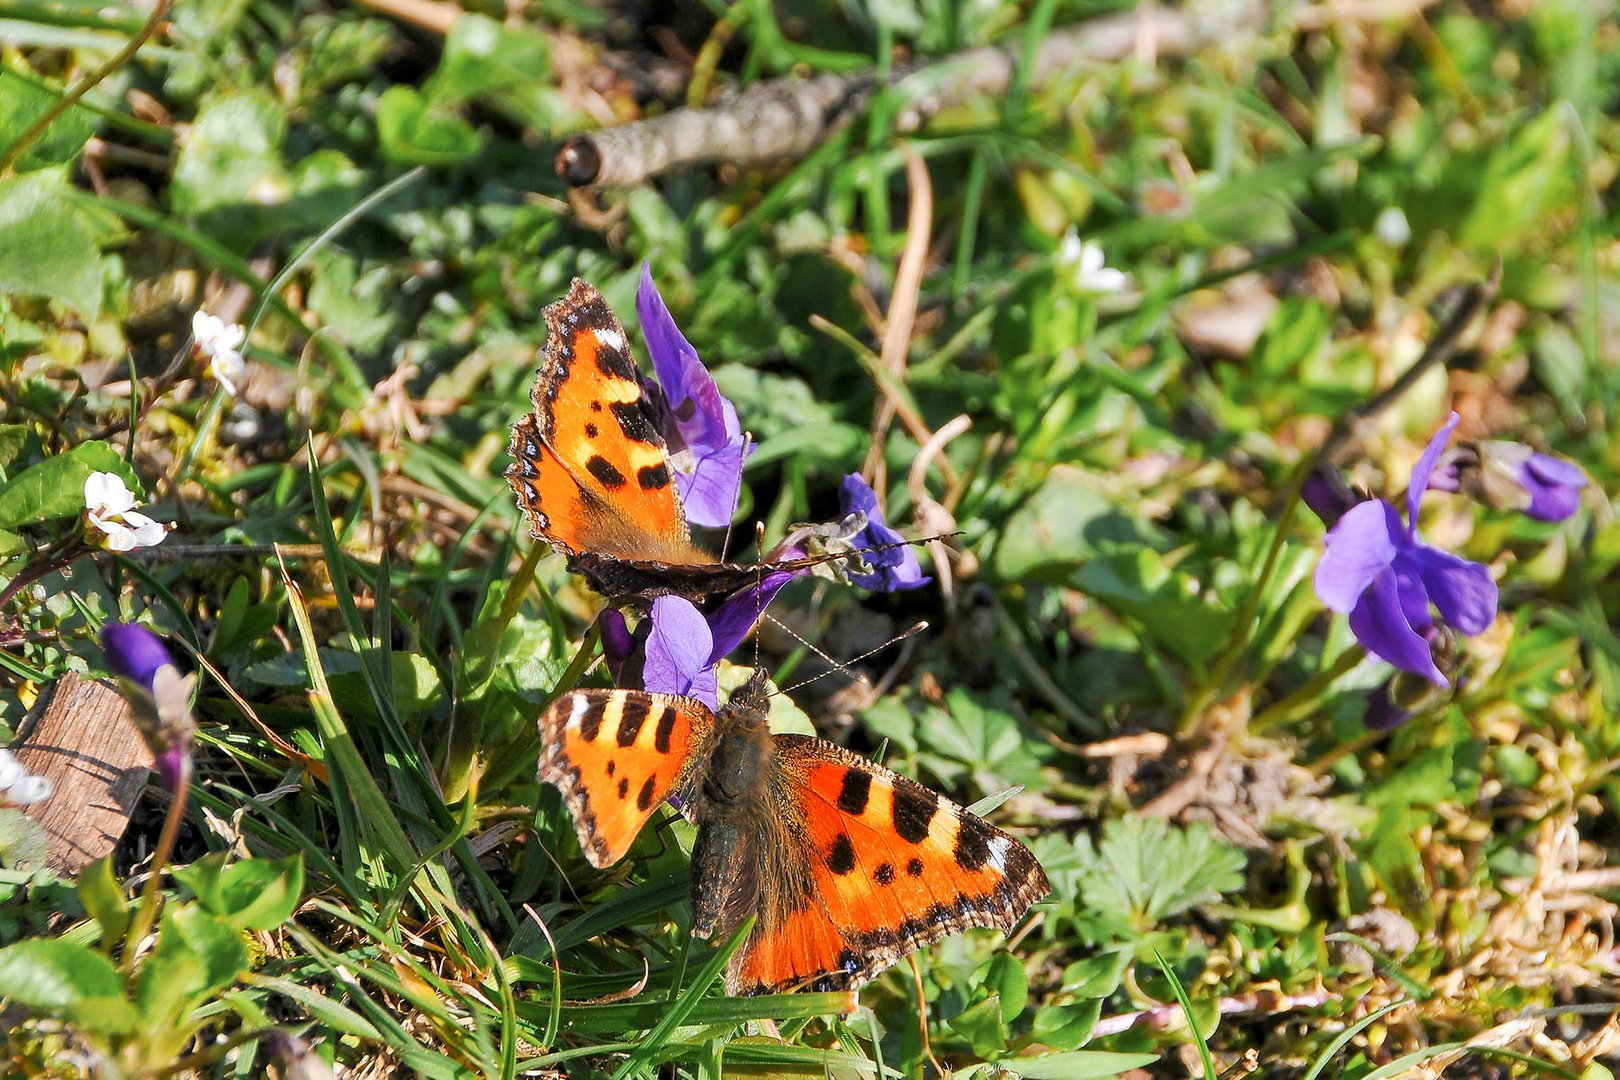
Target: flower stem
x=14, y=152
x=147, y=913
x=1287, y=708
x=30, y=574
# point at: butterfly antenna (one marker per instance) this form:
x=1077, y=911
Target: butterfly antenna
x=759, y=585
x=843, y=666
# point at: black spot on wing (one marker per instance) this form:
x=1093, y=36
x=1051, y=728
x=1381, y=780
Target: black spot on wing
x=884, y=874
x=972, y=844
x=633, y=421
x=666, y=728
x=601, y=468
x=590, y=723
x=644, y=797
x=592, y=431
x=914, y=808
x=653, y=477
x=914, y=868
x=611, y=766
x=624, y=786
x=841, y=857
x=853, y=791
x=630, y=720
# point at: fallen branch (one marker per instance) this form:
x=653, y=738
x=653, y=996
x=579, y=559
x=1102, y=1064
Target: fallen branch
x=783, y=119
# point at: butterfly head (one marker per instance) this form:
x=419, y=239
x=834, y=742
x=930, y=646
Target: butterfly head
x=752, y=699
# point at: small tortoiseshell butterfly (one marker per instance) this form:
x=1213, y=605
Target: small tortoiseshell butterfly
x=593, y=475
x=847, y=865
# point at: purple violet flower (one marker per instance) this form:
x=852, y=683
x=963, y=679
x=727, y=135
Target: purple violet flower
x=1510, y=476
x=684, y=646
x=159, y=696
x=1378, y=571
x=892, y=562
x=707, y=446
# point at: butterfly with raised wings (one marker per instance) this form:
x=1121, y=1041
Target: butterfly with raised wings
x=847, y=865
x=599, y=465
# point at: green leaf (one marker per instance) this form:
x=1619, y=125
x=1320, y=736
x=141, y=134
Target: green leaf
x=229, y=172
x=197, y=954
x=982, y=1026
x=62, y=978
x=1007, y=979
x=249, y=894
x=104, y=900
x=413, y=132
x=22, y=841
x=1145, y=870
x=1065, y=523
x=13, y=437
x=483, y=57
x=46, y=247
x=980, y=731
x=22, y=101
x=1076, y=1065
x=54, y=488
x=1066, y=1027
x=1140, y=586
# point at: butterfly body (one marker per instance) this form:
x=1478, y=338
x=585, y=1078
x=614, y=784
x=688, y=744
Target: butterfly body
x=846, y=865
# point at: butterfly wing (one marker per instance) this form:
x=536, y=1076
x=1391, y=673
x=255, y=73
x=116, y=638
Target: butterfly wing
x=590, y=468
x=892, y=866
x=616, y=755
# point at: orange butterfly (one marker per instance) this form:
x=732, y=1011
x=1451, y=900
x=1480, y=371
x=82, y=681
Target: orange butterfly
x=596, y=478
x=847, y=865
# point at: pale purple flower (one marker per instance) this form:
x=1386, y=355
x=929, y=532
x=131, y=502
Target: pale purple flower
x=159, y=696
x=706, y=443
x=1510, y=476
x=1378, y=571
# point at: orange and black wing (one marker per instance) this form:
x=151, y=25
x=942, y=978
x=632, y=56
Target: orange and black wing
x=893, y=866
x=615, y=755
x=590, y=469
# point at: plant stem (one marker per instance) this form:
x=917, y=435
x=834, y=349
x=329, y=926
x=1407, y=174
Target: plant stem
x=14, y=152
x=147, y=915
x=1286, y=708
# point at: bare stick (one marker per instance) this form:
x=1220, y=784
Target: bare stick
x=784, y=119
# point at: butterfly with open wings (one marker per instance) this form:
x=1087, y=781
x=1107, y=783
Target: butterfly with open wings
x=847, y=865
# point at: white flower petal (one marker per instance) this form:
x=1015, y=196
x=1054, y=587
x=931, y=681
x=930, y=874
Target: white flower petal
x=1072, y=250
x=225, y=367
x=30, y=789
x=120, y=537
x=11, y=770
x=1091, y=258
x=145, y=531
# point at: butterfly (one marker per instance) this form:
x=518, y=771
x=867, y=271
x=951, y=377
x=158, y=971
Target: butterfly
x=595, y=477
x=847, y=865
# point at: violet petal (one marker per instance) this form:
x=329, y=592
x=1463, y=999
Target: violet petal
x=894, y=562
x=678, y=651
x=1554, y=486
x=1380, y=625
x=133, y=652
x=730, y=622
x=1424, y=467
x=1464, y=591
x=1359, y=548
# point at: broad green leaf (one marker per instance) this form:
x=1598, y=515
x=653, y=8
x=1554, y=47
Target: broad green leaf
x=249, y=894
x=197, y=954
x=1067, y=1027
x=483, y=57
x=52, y=975
x=1066, y=522
x=1165, y=601
x=13, y=437
x=982, y=1026
x=981, y=732
x=22, y=102
x=229, y=171
x=104, y=900
x=54, y=488
x=46, y=247
x=414, y=132
x=22, y=841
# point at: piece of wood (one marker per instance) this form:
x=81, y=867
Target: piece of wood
x=85, y=743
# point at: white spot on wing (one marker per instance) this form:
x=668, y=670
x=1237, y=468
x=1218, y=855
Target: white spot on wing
x=580, y=705
x=611, y=338
x=998, y=853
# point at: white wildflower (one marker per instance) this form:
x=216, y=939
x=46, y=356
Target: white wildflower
x=222, y=343
x=111, y=508
x=18, y=787
x=1086, y=260
x=1392, y=227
